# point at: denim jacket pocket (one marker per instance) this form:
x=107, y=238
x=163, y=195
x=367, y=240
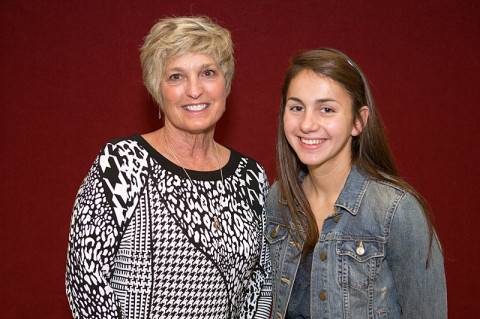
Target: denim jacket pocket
x=358, y=261
x=275, y=232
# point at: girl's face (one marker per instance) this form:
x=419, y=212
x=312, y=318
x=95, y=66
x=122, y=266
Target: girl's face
x=318, y=121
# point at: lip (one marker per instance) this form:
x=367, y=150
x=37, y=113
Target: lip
x=311, y=142
x=196, y=107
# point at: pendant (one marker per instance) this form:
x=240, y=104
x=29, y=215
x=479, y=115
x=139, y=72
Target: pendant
x=217, y=225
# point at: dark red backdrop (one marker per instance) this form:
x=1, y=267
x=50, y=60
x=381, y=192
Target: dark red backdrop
x=71, y=80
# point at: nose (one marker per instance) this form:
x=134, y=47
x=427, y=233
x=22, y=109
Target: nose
x=309, y=122
x=194, y=88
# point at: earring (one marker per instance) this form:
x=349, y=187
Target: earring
x=159, y=114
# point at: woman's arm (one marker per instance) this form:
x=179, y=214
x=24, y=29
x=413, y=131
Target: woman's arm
x=422, y=291
x=258, y=299
x=93, y=240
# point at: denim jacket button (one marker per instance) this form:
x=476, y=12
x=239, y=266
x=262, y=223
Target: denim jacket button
x=323, y=256
x=274, y=233
x=293, y=243
x=360, y=250
x=336, y=218
x=322, y=296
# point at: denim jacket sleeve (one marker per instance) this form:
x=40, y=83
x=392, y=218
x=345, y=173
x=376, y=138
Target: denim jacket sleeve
x=421, y=291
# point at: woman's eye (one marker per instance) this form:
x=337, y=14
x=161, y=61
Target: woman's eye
x=208, y=73
x=175, y=76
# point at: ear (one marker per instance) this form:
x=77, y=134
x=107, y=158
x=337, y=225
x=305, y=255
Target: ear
x=360, y=120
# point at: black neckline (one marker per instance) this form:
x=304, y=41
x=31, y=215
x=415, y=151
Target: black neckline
x=227, y=170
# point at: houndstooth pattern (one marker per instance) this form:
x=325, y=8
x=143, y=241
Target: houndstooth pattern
x=166, y=259
x=187, y=283
x=132, y=267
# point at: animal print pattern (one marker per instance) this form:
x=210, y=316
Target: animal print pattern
x=142, y=242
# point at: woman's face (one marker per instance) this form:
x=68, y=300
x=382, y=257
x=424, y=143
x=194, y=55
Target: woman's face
x=318, y=120
x=193, y=90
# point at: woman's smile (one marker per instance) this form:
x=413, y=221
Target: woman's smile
x=196, y=107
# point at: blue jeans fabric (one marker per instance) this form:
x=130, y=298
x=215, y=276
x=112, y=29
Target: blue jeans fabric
x=369, y=261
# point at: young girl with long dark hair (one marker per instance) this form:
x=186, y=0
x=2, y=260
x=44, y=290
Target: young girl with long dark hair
x=349, y=238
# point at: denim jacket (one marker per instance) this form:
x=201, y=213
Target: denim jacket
x=369, y=261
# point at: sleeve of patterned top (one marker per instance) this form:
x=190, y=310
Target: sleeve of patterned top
x=258, y=300
x=100, y=212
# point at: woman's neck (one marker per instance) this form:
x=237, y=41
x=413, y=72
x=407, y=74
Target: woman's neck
x=189, y=145
x=191, y=151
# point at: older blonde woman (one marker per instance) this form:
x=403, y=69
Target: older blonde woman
x=169, y=224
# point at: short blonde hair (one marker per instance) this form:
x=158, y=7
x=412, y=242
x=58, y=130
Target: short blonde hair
x=173, y=37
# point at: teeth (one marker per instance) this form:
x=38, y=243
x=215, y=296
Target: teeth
x=312, y=142
x=197, y=107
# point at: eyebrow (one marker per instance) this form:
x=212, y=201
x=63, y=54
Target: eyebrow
x=319, y=101
x=202, y=67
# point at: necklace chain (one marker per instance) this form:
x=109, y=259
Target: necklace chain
x=216, y=224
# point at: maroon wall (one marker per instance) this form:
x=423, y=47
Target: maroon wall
x=71, y=81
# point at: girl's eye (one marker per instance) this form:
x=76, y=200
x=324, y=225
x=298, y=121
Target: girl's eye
x=175, y=77
x=326, y=110
x=296, y=108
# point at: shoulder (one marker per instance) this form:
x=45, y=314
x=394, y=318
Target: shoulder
x=246, y=161
x=111, y=188
x=396, y=204
x=247, y=167
x=273, y=202
x=274, y=192
x=126, y=153
x=132, y=146
x=387, y=193
x=384, y=189
x=123, y=160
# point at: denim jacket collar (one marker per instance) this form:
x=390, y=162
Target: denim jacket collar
x=352, y=193
x=283, y=201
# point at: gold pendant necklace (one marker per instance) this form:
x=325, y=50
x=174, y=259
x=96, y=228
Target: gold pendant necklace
x=216, y=223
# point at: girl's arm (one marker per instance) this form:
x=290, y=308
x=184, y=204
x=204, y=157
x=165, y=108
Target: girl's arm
x=422, y=292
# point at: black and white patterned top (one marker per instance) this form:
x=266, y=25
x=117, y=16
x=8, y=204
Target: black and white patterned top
x=142, y=245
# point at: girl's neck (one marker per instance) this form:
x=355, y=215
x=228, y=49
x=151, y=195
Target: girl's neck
x=325, y=184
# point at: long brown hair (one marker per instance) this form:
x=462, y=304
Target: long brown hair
x=370, y=151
